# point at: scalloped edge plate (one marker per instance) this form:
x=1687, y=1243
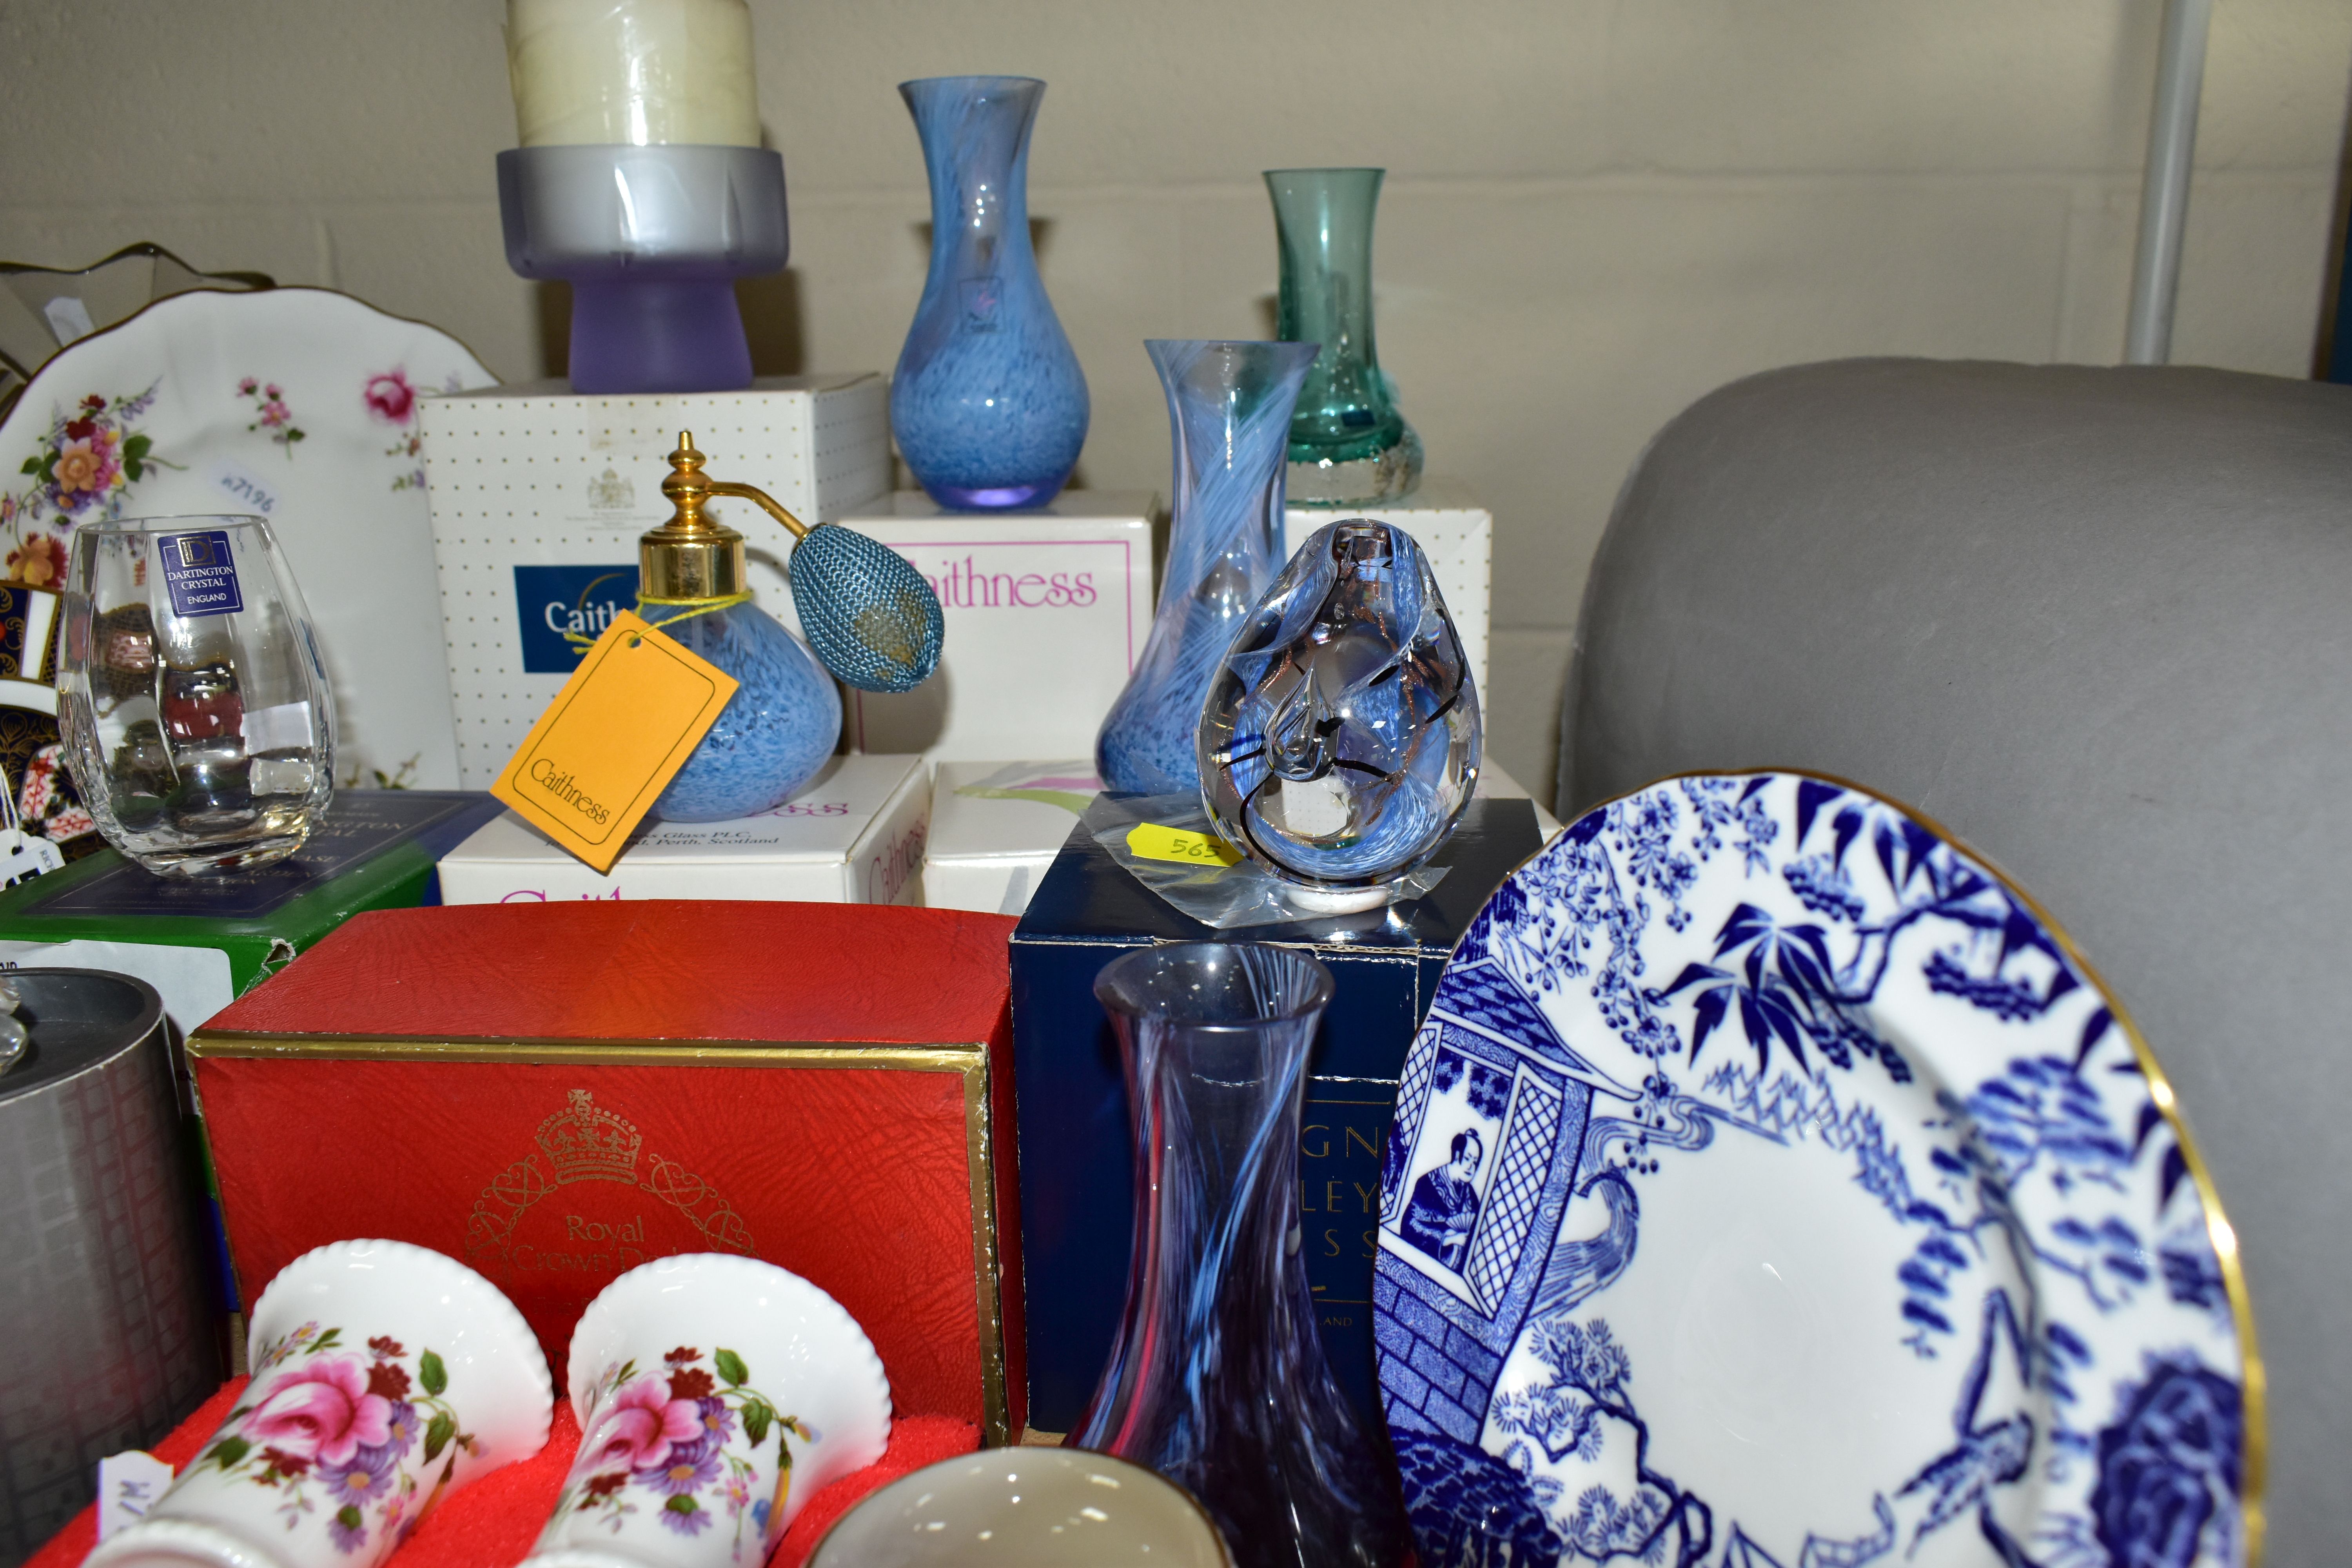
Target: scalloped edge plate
x=334, y=462
x=1773, y=1184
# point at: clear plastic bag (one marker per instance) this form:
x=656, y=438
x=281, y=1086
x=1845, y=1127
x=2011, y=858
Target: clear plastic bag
x=1217, y=885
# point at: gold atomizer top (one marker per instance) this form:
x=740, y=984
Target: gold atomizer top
x=693, y=556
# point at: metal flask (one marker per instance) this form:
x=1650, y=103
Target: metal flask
x=103, y=1291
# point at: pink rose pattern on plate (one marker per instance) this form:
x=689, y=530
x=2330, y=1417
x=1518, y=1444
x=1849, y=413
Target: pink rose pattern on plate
x=665, y=1433
x=271, y=411
x=337, y=1428
x=89, y=458
x=390, y=397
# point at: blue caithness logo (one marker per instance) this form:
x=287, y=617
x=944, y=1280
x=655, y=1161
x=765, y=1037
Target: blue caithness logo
x=553, y=600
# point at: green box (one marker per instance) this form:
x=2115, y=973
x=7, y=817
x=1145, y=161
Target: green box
x=204, y=942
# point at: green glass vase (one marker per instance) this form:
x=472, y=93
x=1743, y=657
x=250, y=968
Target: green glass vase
x=1349, y=445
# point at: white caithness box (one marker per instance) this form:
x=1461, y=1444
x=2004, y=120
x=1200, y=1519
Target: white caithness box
x=1454, y=530
x=855, y=835
x=996, y=828
x=1046, y=614
x=538, y=494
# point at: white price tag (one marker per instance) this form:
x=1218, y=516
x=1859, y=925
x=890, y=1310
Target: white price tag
x=285, y=728
x=68, y=320
x=128, y=1485
x=248, y=489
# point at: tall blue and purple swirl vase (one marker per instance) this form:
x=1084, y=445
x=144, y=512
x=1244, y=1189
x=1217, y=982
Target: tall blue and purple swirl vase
x=1229, y=408
x=1217, y=1379
x=987, y=403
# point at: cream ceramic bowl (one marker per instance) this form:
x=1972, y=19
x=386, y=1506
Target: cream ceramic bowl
x=1033, y=1508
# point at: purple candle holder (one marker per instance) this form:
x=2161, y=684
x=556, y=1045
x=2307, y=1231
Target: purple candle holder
x=651, y=240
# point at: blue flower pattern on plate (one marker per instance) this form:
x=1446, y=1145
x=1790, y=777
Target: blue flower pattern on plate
x=1785, y=986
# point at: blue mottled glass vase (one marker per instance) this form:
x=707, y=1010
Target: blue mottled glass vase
x=1229, y=414
x=988, y=404
x=1217, y=1379
x=773, y=734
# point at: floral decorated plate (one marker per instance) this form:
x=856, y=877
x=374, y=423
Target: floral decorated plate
x=1773, y=1185
x=297, y=405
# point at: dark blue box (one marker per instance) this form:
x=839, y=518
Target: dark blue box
x=1077, y=1163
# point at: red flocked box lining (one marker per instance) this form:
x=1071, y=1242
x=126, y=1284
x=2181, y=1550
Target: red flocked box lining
x=493, y=1522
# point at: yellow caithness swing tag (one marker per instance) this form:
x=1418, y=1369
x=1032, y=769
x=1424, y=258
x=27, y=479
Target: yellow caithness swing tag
x=623, y=725
x=1150, y=841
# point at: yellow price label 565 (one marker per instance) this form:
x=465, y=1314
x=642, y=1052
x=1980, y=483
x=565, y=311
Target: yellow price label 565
x=1150, y=841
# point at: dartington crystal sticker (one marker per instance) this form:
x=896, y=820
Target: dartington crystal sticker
x=199, y=574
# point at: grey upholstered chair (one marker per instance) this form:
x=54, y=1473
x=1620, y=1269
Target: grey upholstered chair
x=2099, y=623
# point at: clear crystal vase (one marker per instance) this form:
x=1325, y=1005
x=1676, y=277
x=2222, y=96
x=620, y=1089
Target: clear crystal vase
x=1229, y=413
x=1217, y=1379
x=1349, y=445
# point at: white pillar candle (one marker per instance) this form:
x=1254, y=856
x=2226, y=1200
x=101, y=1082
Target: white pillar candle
x=640, y=72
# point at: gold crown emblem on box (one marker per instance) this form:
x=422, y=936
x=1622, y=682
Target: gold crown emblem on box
x=585, y=1144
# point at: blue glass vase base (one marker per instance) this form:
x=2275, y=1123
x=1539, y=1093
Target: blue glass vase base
x=995, y=498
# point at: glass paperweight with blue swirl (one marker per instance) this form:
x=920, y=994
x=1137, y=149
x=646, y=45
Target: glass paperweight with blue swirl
x=988, y=402
x=871, y=618
x=1229, y=414
x=1339, y=741
x=1217, y=1379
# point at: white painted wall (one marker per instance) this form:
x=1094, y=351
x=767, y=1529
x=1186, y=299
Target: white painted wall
x=1597, y=210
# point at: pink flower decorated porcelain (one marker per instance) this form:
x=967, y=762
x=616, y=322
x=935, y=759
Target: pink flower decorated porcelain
x=323, y=1411
x=343, y=1449
x=87, y=468
x=642, y=1422
x=390, y=396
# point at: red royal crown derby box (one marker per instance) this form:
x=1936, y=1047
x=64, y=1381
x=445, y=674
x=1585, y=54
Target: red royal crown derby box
x=554, y=1093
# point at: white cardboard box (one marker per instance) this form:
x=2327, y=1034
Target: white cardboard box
x=1454, y=530
x=1046, y=614
x=539, y=493
x=995, y=828
x=853, y=836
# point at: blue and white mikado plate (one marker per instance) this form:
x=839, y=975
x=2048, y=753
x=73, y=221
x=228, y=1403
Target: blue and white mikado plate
x=1773, y=1185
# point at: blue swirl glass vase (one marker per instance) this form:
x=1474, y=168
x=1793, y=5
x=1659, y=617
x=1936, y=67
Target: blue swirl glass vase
x=987, y=403
x=1229, y=414
x=1217, y=1379
x=773, y=734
